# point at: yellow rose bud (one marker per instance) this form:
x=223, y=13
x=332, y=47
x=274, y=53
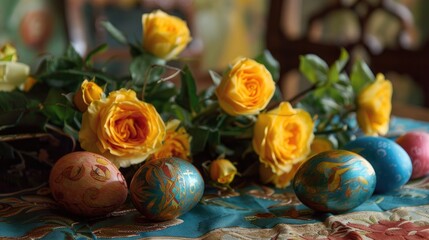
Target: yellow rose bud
x=246, y=89
x=177, y=142
x=374, y=107
x=222, y=171
x=282, y=137
x=164, y=36
x=8, y=53
x=122, y=128
x=280, y=181
x=88, y=92
x=12, y=75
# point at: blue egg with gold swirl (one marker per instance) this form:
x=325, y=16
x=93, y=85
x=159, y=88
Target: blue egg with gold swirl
x=391, y=162
x=334, y=181
x=163, y=189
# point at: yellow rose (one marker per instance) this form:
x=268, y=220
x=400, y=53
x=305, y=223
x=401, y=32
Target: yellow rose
x=88, y=92
x=122, y=128
x=222, y=171
x=374, y=107
x=176, y=143
x=246, y=89
x=12, y=75
x=164, y=36
x=280, y=181
x=282, y=137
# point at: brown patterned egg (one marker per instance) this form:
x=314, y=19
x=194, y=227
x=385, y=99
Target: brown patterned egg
x=87, y=184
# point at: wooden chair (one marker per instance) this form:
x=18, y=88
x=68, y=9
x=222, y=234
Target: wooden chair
x=403, y=58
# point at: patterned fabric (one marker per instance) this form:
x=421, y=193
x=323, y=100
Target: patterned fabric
x=251, y=212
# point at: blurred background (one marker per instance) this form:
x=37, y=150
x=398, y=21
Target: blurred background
x=390, y=35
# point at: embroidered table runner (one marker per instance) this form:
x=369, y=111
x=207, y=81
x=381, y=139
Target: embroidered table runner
x=251, y=212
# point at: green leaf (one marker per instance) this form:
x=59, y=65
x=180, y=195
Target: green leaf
x=311, y=104
x=68, y=129
x=92, y=53
x=216, y=78
x=199, y=140
x=160, y=94
x=137, y=50
x=213, y=138
x=57, y=108
x=147, y=68
x=346, y=92
x=181, y=114
x=15, y=107
x=53, y=64
x=161, y=90
x=272, y=65
x=114, y=32
x=187, y=97
x=12, y=101
x=337, y=67
x=330, y=105
x=313, y=68
x=72, y=78
x=360, y=76
x=73, y=56
x=342, y=61
x=207, y=96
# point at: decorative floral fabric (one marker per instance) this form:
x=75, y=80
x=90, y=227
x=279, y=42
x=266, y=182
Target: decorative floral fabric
x=251, y=212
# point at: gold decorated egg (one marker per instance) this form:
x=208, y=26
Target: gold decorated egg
x=87, y=184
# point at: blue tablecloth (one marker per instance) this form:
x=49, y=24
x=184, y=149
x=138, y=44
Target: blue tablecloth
x=252, y=212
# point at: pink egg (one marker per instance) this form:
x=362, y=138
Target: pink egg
x=87, y=184
x=416, y=144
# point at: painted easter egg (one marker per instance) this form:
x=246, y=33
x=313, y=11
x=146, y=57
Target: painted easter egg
x=87, y=184
x=163, y=189
x=334, y=181
x=391, y=163
x=416, y=144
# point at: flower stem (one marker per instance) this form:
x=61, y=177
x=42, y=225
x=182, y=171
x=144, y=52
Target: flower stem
x=330, y=131
x=296, y=98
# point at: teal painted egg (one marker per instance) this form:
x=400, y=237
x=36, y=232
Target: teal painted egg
x=164, y=189
x=390, y=161
x=334, y=181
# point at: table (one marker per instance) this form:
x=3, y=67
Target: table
x=251, y=212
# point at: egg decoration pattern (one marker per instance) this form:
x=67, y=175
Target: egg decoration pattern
x=391, y=163
x=416, y=144
x=163, y=189
x=334, y=181
x=87, y=184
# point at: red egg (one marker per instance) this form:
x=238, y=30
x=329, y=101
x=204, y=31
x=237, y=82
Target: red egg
x=416, y=144
x=87, y=184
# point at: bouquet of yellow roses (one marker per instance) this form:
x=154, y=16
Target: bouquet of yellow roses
x=238, y=126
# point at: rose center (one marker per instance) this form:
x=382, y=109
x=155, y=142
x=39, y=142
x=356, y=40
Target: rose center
x=252, y=88
x=290, y=137
x=132, y=128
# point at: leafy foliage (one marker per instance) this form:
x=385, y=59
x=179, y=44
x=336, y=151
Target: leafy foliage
x=333, y=94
